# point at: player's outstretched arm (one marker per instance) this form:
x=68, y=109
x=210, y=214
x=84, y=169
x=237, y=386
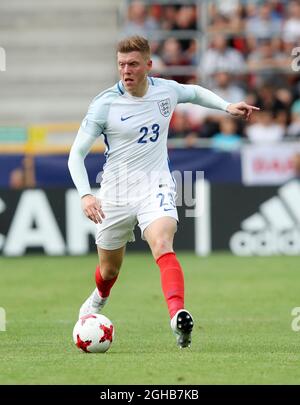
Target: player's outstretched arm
x=191, y=93
x=241, y=109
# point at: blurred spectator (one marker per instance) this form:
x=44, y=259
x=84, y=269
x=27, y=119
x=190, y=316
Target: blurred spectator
x=172, y=55
x=138, y=22
x=180, y=127
x=169, y=18
x=284, y=96
x=227, y=7
x=265, y=61
x=219, y=23
x=191, y=53
x=265, y=130
x=278, y=7
x=287, y=50
x=251, y=9
x=291, y=27
x=24, y=176
x=157, y=63
x=155, y=13
x=225, y=16
x=225, y=88
x=194, y=114
x=284, y=49
x=264, y=24
x=186, y=20
x=294, y=127
x=221, y=57
x=267, y=99
x=227, y=139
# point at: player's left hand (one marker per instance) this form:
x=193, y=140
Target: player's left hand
x=242, y=110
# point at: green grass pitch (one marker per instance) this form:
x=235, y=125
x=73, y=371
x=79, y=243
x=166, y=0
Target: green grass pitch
x=242, y=309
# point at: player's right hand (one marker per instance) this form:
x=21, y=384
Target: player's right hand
x=92, y=208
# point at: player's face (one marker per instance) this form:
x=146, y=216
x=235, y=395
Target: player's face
x=133, y=69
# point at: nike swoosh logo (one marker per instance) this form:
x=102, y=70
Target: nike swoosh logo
x=168, y=209
x=126, y=118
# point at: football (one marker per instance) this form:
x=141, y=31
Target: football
x=93, y=333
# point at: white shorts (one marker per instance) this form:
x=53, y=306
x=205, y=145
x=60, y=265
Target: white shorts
x=117, y=227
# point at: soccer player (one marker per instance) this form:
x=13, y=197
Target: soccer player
x=137, y=186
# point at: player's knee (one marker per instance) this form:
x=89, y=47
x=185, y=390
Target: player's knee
x=109, y=271
x=161, y=246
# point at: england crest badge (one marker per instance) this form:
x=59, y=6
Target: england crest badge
x=165, y=107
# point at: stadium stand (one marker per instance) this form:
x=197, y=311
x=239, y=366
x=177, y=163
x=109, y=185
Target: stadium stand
x=59, y=55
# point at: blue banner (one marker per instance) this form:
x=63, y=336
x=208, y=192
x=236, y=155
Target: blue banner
x=52, y=170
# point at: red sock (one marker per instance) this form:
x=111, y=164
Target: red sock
x=172, y=282
x=104, y=286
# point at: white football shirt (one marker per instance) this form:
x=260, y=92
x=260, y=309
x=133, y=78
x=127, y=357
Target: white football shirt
x=135, y=131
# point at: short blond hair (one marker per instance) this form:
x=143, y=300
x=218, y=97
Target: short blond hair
x=135, y=43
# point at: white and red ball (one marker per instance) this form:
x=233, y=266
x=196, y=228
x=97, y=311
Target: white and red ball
x=93, y=333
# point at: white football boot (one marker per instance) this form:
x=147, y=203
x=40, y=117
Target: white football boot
x=182, y=325
x=93, y=304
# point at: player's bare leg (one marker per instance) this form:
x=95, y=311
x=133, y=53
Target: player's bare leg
x=106, y=274
x=160, y=235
